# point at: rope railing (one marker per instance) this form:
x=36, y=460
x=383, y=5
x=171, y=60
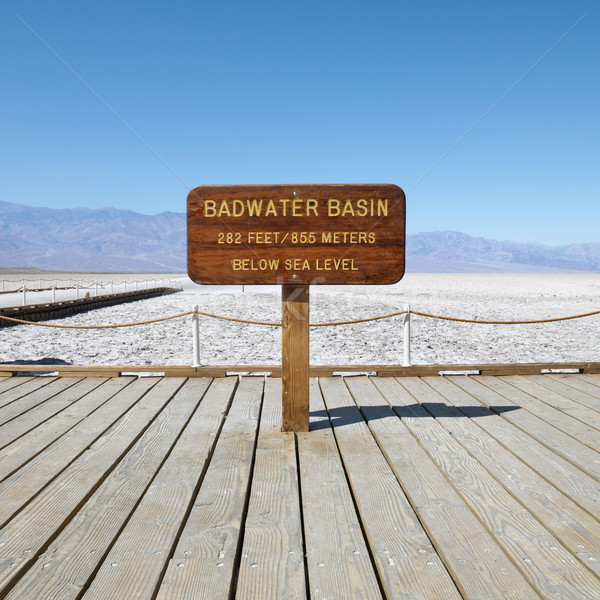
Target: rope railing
x=112, y=326
x=325, y=324
x=406, y=313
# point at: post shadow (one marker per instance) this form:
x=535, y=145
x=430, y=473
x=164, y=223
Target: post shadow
x=349, y=415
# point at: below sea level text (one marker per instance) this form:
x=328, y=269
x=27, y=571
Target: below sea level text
x=293, y=264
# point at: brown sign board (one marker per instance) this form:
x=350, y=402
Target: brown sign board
x=296, y=234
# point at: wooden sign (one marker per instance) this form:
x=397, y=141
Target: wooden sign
x=296, y=234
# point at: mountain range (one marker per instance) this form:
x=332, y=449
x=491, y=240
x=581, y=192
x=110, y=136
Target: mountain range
x=115, y=240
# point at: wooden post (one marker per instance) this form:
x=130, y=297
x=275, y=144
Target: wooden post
x=295, y=357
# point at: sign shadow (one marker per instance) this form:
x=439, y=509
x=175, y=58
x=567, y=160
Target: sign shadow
x=351, y=415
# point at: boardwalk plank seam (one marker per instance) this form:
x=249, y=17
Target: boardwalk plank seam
x=555, y=398
x=32, y=443
x=78, y=534
x=571, y=449
x=499, y=456
x=561, y=474
x=478, y=563
x=78, y=473
x=555, y=546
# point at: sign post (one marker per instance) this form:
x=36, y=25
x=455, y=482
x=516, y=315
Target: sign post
x=294, y=357
x=296, y=236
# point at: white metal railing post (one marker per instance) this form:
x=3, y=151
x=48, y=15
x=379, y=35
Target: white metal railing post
x=24, y=293
x=77, y=291
x=406, y=323
x=54, y=292
x=112, y=286
x=196, y=337
x=96, y=289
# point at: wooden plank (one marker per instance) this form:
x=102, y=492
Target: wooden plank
x=315, y=370
x=142, y=551
x=23, y=537
x=407, y=563
x=87, y=372
x=570, y=449
x=479, y=566
x=27, y=446
x=563, y=422
x=592, y=382
x=337, y=554
x=556, y=538
x=560, y=473
x=69, y=563
x=559, y=396
x=11, y=382
x=272, y=557
x=206, y=554
x=574, y=388
x=19, y=488
x=294, y=356
x=42, y=395
x=31, y=385
x=27, y=421
x=585, y=383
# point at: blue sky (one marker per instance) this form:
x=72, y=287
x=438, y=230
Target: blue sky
x=132, y=104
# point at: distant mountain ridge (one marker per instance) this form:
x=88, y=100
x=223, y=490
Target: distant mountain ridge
x=114, y=240
x=83, y=239
x=451, y=251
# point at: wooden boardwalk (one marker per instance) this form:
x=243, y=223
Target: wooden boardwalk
x=478, y=487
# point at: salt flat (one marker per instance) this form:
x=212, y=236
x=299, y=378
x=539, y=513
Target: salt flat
x=474, y=296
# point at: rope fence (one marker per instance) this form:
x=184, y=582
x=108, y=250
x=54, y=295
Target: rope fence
x=406, y=313
x=326, y=324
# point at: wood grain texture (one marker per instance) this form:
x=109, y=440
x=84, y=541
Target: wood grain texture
x=580, y=390
x=11, y=382
x=295, y=315
x=272, y=557
x=25, y=483
x=28, y=385
x=587, y=383
x=545, y=410
x=569, y=400
x=138, y=558
x=551, y=556
x=205, y=557
x=554, y=469
x=46, y=410
x=564, y=445
x=478, y=564
x=68, y=564
x=46, y=513
x=315, y=370
x=99, y=497
x=215, y=241
x=23, y=449
x=337, y=554
x=557, y=418
x=30, y=400
x=406, y=561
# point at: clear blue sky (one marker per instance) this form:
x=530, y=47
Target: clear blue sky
x=132, y=104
